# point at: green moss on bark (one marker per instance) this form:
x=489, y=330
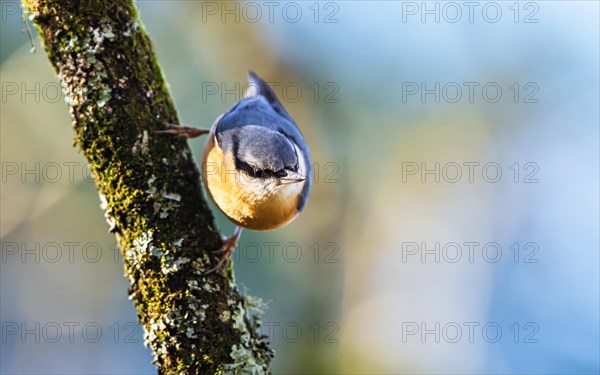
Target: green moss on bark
x=150, y=189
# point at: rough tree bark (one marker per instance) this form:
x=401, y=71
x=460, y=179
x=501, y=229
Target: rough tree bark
x=150, y=189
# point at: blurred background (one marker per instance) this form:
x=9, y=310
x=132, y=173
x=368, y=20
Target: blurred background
x=453, y=224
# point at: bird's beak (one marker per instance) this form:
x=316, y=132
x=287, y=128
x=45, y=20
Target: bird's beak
x=292, y=177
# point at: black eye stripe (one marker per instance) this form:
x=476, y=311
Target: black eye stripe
x=244, y=167
x=260, y=173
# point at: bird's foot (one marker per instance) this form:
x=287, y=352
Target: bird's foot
x=229, y=245
x=183, y=131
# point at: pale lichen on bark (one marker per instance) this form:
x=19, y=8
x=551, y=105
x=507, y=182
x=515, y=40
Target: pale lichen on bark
x=150, y=189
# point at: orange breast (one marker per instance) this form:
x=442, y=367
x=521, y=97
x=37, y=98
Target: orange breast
x=235, y=197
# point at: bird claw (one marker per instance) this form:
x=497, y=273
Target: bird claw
x=183, y=131
x=229, y=245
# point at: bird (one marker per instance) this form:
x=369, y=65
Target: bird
x=256, y=164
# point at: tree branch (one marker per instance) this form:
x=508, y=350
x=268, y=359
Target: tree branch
x=150, y=189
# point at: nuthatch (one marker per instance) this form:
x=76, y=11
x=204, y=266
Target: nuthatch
x=256, y=165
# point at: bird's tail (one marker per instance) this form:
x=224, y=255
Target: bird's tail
x=257, y=86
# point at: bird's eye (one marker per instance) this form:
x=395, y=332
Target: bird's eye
x=258, y=173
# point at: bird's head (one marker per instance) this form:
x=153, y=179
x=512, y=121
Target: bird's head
x=268, y=161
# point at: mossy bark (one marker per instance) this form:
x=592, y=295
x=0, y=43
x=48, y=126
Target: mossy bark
x=150, y=189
